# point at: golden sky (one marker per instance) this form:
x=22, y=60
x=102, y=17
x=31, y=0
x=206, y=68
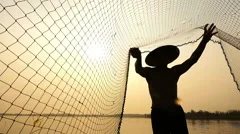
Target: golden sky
x=35, y=43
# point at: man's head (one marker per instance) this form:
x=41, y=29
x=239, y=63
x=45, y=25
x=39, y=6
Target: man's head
x=162, y=56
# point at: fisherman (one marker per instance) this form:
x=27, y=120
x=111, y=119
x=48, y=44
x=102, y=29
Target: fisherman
x=167, y=116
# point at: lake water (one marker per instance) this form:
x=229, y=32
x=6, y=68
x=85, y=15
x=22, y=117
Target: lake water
x=143, y=126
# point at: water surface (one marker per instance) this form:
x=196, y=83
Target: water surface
x=143, y=126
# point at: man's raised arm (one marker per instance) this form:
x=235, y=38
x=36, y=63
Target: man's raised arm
x=135, y=52
x=208, y=33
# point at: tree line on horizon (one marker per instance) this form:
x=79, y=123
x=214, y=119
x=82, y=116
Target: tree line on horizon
x=229, y=115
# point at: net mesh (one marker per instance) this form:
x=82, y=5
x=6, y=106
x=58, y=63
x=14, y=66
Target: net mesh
x=64, y=63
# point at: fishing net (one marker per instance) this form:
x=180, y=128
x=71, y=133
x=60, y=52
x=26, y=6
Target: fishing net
x=64, y=63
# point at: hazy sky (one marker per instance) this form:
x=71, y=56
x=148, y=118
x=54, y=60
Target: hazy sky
x=208, y=85
x=31, y=37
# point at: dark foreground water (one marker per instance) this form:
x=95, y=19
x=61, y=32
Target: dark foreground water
x=143, y=126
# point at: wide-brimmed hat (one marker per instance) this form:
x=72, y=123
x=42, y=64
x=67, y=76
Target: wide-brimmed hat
x=164, y=54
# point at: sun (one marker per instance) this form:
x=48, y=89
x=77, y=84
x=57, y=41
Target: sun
x=96, y=52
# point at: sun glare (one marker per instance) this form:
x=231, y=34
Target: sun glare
x=96, y=52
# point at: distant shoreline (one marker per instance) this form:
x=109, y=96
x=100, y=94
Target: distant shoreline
x=192, y=115
x=187, y=117
x=200, y=115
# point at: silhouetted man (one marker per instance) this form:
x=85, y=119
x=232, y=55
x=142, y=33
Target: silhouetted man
x=167, y=116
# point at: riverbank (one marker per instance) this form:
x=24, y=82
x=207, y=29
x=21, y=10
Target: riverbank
x=199, y=115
